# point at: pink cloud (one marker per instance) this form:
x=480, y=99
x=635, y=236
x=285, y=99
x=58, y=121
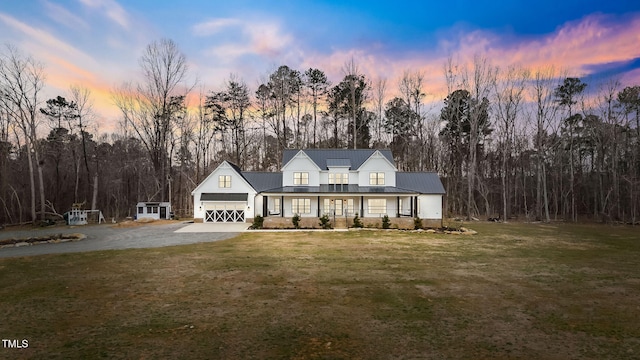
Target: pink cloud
x=594, y=40
x=575, y=47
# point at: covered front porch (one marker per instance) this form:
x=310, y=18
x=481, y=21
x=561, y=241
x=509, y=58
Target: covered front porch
x=340, y=205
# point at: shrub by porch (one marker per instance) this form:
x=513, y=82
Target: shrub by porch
x=403, y=223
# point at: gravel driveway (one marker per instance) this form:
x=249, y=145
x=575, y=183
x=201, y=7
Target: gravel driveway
x=109, y=237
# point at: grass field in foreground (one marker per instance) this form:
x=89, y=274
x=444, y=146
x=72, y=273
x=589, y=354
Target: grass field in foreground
x=514, y=291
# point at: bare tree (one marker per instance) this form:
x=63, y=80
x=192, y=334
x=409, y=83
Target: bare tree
x=21, y=80
x=479, y=82
x=545, y=108
x=150, y=106
x=81, y=96
x=411, y=85
x=567, y=94
x=357, y=94
x=379, y=96
x=509, y=93
x=317, y=84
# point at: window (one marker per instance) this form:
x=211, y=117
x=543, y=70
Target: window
x=140, y=209
x=377, y=206
x=300, y=178
x=301, y=206
x=154, y=209
x=276, y=206
x=376, y=178
x=148, y=209
x=338, y=178
x=224, y=181
x=327, y=206
x=350, y=209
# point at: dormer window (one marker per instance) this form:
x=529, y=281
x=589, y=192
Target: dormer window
x=224, y=181
x=300, y=178
x=338, y=178
x=376, y=178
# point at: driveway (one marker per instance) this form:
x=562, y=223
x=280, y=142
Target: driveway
x=214, y=228
x=110, y=237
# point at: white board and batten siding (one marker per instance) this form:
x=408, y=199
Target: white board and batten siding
x=377, y=163
x=300, y=163
x=430, y=206
x=211, y=185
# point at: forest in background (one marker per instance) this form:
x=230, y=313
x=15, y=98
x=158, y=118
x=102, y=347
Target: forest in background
x=537, y=144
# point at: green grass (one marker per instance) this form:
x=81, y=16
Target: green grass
x=514, y=291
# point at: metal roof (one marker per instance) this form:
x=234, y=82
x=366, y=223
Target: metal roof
x=340, y=189
x=223, y=197
x=339, y=163
x=356, y=157
x=422, y=182
x=262, y=181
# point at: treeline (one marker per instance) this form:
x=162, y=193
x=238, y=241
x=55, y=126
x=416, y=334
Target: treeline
x=532, y=143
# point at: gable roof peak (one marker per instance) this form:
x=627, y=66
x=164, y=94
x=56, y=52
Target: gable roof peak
x=356, y=157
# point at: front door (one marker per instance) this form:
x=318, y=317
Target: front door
x=338, y=206
x=163, y=212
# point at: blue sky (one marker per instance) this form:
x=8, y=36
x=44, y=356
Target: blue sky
x=97, y=43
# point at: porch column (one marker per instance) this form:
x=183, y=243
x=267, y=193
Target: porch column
x=361, y=206
x=281, y=206
x=411, y=202
x=265, y=206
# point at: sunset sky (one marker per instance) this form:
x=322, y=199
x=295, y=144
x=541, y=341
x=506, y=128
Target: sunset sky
x=97, y=43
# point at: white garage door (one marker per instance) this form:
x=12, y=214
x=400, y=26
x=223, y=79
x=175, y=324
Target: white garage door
x=225, y=212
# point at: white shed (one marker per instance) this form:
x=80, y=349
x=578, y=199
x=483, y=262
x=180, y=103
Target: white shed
x=153, y=210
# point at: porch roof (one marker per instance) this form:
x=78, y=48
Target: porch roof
x=341, y=189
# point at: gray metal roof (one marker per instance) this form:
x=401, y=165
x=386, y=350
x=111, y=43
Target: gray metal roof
x=422, y=182
x=339, y=163
x=356, y=157
x=262, y=181
x=342, y=189
x=223, y=197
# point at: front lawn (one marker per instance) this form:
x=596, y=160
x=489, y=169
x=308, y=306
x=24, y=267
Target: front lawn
x=528, y=291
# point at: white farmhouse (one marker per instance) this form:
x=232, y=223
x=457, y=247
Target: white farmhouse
x=315, y=182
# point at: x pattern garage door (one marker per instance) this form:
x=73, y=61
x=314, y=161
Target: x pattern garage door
x=225, y=213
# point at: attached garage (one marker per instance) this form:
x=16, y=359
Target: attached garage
x=224, y=207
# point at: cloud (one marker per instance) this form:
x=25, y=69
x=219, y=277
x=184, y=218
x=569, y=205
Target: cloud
x=64, y=65
x=112, y=9
x=214, y=26
x=252, y=38
x=576, y=46
x=45, y=39
x=580, y=47
x=64, y=17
